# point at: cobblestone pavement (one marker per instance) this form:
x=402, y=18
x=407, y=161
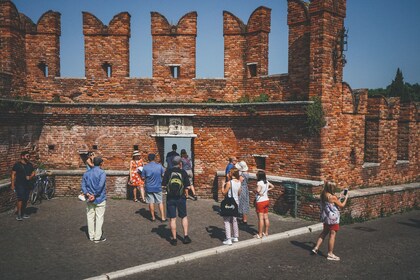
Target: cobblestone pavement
x=53, y=243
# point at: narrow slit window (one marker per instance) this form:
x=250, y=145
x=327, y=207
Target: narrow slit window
x=51, y=147
x=108, y=69
x=175, y=71
x=135, y=147
x=94, y=147
x=44, y=68
x=252, y=69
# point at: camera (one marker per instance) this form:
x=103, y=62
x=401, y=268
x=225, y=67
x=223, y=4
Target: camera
x=345, y=191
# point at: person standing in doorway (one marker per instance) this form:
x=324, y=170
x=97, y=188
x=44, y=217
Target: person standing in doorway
x=94, y=188
x=177, y=184
x=22, y=174
x=135, y=181
x=170, y=156
x=152, y=176
x=187, y=166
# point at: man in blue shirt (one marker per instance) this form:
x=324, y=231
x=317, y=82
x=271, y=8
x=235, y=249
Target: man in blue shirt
x=93, y=187
x=231, y=164
x=152, y=175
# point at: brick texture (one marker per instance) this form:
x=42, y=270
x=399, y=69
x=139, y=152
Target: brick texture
x=366, y=141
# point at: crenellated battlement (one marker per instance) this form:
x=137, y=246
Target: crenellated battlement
x=365, y=141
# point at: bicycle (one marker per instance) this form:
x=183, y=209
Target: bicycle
x=44, y=187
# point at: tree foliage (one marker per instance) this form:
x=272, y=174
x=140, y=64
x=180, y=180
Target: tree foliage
x=398, y=88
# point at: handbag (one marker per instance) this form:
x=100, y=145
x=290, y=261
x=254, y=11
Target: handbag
x=228, y=206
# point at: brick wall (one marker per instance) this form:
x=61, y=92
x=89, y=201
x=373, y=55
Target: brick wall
x=107, y=111
x=106, y=46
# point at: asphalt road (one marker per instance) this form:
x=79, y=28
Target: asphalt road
x=385, y=248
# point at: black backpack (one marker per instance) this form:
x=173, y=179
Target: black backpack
x=175, y=186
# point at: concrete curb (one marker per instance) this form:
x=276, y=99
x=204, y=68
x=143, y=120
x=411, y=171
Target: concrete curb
x=206, y=253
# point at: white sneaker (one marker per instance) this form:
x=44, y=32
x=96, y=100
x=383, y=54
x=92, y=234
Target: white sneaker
x=227, y=242
x=235, y=239
x=82, y=197
x=332, y=257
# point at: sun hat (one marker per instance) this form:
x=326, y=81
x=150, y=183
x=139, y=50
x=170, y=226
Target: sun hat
x=241, y=166
x=136, y=153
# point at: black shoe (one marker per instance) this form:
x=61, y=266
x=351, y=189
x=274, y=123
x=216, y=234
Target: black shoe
x=187, y=239
x=102, y=239
x=19, y=218
x=195, y=197
x=173, y=242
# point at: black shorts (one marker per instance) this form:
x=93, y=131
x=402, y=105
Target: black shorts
x=173, y=204
x=22, y=193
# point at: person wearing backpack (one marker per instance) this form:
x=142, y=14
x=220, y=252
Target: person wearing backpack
x=330, y=216
x=152, y=176
x=177, y=185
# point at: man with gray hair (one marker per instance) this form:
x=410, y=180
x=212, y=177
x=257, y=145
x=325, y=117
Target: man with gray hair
x=94, y=188
x=177, y=185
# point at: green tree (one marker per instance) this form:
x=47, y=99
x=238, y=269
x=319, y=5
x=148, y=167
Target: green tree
x=398, y=88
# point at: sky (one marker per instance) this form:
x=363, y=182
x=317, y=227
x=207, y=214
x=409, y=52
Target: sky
x=383, y=34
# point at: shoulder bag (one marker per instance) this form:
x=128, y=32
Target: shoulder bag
x=228, y=206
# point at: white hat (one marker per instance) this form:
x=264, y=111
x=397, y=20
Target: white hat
x=241, y=166
x=136, y=153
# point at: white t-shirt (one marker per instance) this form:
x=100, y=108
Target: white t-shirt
x=263, y=190
x=235, y=186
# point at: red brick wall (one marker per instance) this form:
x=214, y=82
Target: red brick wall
x=277, y=130
x=12, y=51
x=106, y=45
x=299, y=50
x=174, y=45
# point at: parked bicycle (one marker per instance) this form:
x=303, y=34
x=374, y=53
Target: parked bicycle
x=44, y=187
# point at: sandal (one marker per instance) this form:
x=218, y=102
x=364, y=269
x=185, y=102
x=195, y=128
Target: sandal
x=314, y=251
x=257, y=236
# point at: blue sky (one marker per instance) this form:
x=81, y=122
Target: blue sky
x=383, y=34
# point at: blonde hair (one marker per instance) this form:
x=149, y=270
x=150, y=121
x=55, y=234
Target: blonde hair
x=328, y=188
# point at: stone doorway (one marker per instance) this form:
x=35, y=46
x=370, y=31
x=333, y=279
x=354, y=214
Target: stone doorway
x=186, y=143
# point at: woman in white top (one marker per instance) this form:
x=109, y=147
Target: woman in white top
x=230, y=221
x=262, y=203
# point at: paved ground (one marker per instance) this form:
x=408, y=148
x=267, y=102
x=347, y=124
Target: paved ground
x=52, y=244
x=385, y=248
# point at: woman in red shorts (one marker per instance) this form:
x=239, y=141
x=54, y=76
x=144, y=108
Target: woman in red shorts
x=330, y=216
x=262, y=203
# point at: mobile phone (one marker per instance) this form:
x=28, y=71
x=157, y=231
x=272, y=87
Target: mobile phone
x=346, y=191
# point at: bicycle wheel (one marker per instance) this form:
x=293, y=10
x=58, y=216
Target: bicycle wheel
x=49, y=189
x=35, y=193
